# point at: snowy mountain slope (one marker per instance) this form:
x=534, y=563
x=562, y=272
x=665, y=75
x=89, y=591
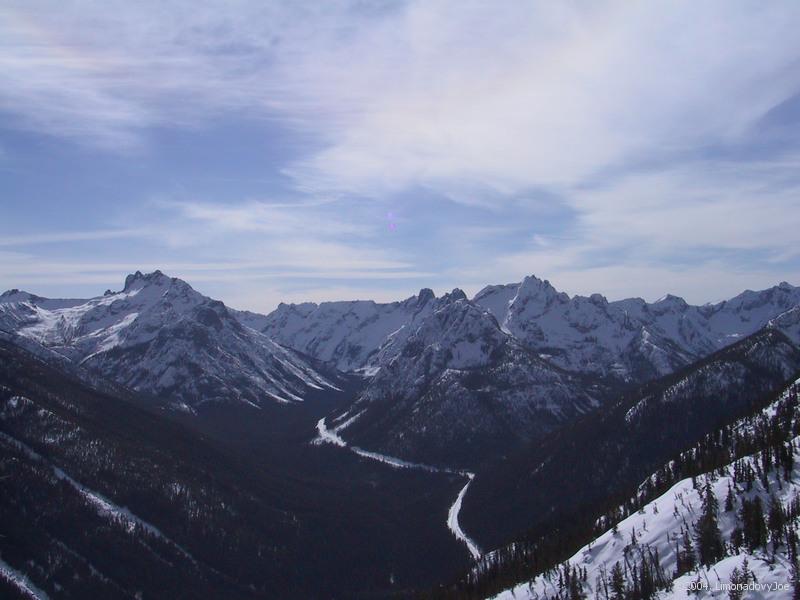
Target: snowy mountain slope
x=659, y=527
x=665, y=530
x=768, y=356
x=629, y=339
x=458, y=389
x=160, y=336
x=345, y=334
x=614, y=447
x=16, y=295
x=101, y=498
x=789, y=323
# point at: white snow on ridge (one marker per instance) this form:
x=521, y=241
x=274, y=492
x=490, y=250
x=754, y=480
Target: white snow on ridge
x=102, y=505
x=658, y=525
x=163, y=334
x=592, y=334
x=21, y=581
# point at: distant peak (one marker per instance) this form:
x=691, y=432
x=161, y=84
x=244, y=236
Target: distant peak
x=539, y=289
x=456, y=294
x=533, y=283
x=785, y=285
x=132, y=278
x=156, y=277
x=598, y=299
x=425, y=295
x=16, y=295
x=533, y=280
x=671, y=299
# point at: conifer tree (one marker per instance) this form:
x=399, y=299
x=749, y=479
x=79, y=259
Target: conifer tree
x=730, y=502
x=709, y=539
x=617, y=583
x=754, y=528
x=776, y=522
x=736, y=579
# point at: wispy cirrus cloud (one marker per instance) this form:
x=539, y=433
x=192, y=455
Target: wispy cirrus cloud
x=586, y=142
x=414, y=93
x=57, y=237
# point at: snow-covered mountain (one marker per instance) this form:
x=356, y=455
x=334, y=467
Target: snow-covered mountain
x=158, y=335
x=615, y=446
x=16, y=295
x=660, y=547
x=346, y=334
x=456, y=386
x=630, y=339
x=626, y=340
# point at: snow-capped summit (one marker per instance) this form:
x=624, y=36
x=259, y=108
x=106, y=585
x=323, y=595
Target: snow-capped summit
x=348, y=334
x=158, y=335
x=628, y=339
x=669, y=302
x=15, y=295
x=425, y=295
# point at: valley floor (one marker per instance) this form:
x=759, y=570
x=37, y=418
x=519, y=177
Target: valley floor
x=325, y=435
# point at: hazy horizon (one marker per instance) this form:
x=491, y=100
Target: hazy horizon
x=470, y=292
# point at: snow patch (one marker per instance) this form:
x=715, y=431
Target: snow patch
x=21, y=581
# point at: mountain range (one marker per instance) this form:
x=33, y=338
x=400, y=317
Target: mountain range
x=445, y=379
x=159, y=336
x=172, y=424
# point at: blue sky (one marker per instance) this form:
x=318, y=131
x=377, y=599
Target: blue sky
x=289, y=151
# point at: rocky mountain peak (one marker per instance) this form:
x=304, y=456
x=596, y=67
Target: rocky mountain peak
x=669, y=303
x=15, y=295
x=140, y=280
x=598, y=299
x=425, y=295
x=454, y=296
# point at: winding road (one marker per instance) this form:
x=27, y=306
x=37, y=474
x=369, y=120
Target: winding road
x=331, y=436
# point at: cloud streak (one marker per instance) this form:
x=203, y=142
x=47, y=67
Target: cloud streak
x=586, y=142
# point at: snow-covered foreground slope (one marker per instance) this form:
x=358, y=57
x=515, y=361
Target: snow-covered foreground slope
x=662, y=527
x=160, y=336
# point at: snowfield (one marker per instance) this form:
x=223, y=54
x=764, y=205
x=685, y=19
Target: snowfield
x=659, y=526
